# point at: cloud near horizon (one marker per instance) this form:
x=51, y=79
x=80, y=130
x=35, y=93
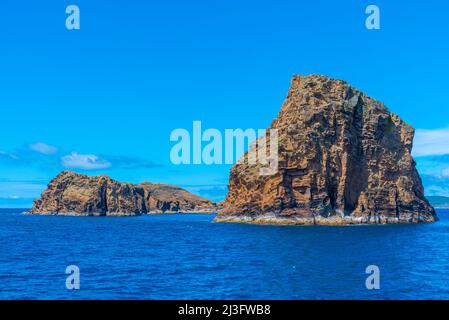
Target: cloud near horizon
x=7, y=156
x=431, y=142
x=431, y=152
x=445, y=173
x=48, y=157
x=75, y=160
x=95, y=162
x=43, y=148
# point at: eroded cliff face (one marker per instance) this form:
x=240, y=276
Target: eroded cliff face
x=343, y=159
x=76, y=194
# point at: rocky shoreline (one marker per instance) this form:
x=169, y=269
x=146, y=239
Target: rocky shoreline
x=273, y=219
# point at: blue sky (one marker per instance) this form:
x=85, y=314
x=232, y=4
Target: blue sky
x=104, y=99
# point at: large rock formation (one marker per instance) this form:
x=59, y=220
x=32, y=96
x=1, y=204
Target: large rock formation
x=343, y=159
x=76, y=194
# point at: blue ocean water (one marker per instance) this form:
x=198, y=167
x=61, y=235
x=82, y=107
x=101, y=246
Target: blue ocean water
x=188, y=257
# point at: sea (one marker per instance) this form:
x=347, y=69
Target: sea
x=188, y=256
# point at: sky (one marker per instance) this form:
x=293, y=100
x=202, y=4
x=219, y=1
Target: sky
x=104, y=99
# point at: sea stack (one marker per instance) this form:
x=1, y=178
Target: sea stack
x=344, y=158
x=77, y=194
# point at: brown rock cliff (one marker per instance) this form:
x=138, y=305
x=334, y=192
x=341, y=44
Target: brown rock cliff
x=344, y=158
x=76, y=194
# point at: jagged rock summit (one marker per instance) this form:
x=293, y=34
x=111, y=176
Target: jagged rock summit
x=344, y=158
x=76, y=194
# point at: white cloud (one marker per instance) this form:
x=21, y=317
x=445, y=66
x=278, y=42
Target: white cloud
x=431, y=142
x=445, y=173
x=8, y=155
x=84, y=161
x=43, y=148
x=435, y=190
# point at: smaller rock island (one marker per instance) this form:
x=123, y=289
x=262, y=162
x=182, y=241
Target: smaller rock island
x=76, y=194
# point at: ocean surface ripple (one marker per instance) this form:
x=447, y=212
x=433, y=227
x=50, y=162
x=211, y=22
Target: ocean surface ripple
x=189, y=257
